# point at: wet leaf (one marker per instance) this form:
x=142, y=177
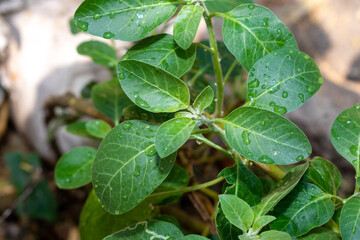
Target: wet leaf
x=237, y=211
x=162, y=51
x=284, y=187
x=73, y=170
x=345, y=135
x=350, y=220
x=186, y=25
x=127, y=167
x=204, y=100
x=303, y=209
x=172, y=135
x=125, y=20
x=282, y=81
x=152, y=88
x=265, y=137
x=97, y=128
x=133, y=112
x=223, y=6
x=324, y=174
x=251, y=31
x=320, y=234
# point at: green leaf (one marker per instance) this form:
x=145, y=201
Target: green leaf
x=345, y=135
x=100, y=53
x=172, y=135
x=109, y=99
x=303, y=209
x=73, y=28
x=155, y=230
x=223, y=6
x=86, y=90
x=320, y=234
x=125, y=20
x=284, y=187
x=98, y=128
x=40, y=204
x=204, y=100
x=237, y=211
x=78, y=129
x=350, y=219
x=274, y=235
x=282, y=81
x=193, y=237
x=162, y=51
x=246, y=185
x=225, y=229
x=133, y=112
x=152, y=88
x=186, y=25
x=262, y=222
x=74, y=168
x=324, y=174
x=127, y=167
x=265, y=137
x=251, y=31
x=21, y=168
x=177, y=178
x=96, y=223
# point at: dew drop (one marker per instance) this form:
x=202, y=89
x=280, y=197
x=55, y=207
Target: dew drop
x=354, y=150
x=285, y=94
x=97, y=16
x=266, y=160
x=150, y=151
x=82, y=25
x=342, y=119
x=141, y=102
x=254, y=84
x=320, y=80
x=245, y=137
x=117, y=212
x=306, y=57
x=299, y=158
x=127, y=125
x=262, y=123
x=251, y=6
x=302, y=98
x=137, y=171
x=279, y=32
x=108, y=35
x=311, y=88
x=265, y=22
x=121, y=75
x=112, y=15
x=263, y=86
x=278, y=109
x=274, y=89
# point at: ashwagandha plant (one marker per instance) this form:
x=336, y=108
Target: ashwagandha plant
x=172, y=90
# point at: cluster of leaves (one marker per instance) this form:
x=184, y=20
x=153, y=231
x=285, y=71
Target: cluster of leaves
x=161, y=90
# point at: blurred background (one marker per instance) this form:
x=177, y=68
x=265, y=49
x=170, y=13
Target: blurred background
x=39, y=62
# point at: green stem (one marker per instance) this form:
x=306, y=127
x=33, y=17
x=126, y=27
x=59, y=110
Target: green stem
x=163, y=195
x=201, y=131
x=211, y=50
x=216, y=62
x=199, y=73
x=231, y=69
x=211, y=144
x=357, y=185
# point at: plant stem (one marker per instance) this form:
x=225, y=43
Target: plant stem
x=209, y=49
x=357, y=186
x=231, y=69
x=180, y=191
x=201, y=131
x=216, y=63
x=211, y=144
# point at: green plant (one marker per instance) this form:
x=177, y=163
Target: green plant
x=179, y=96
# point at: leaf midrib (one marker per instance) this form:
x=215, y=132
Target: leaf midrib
x=258, y=134
x=133, y=9
x=153, y=85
